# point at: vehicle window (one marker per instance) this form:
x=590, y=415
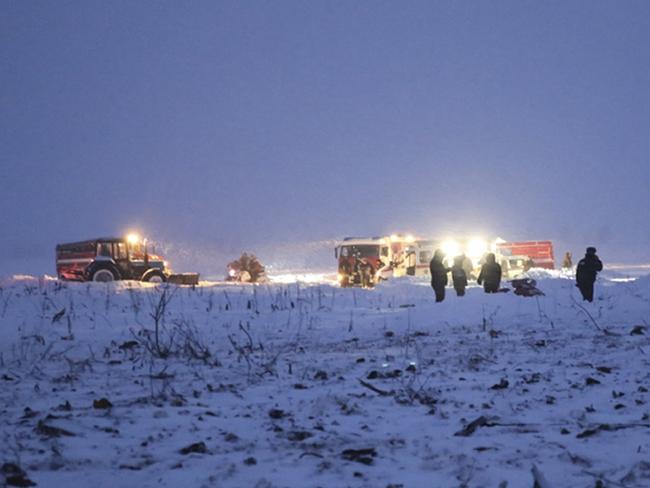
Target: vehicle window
x=366, y=251
x=119, y=249
x=345, y=252
x=104, y=249
x=425, y=256
x=384, y=251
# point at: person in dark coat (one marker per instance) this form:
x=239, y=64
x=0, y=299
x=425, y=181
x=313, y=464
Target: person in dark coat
x=459, y=276
x=586, y=272
x=490, y=275
x=438, y=275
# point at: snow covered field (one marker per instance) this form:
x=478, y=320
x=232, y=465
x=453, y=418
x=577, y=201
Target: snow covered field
x=305, y=385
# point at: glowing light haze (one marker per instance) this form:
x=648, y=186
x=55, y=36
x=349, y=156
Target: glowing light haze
x=240, y=124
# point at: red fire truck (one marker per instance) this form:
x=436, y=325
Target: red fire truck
x=110, y=259
x=523, y=255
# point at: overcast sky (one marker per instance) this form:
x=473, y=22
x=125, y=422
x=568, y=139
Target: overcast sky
x=236, y=124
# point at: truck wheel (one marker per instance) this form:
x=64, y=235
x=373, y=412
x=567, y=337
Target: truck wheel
x=103, y=275
x=154, y=276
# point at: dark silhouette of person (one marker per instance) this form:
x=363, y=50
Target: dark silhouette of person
x=588, y=268
x=490, y=275
x=367, y=271
x=410, y=262
x=459, y=275
x=345, y=271
x=438, y=275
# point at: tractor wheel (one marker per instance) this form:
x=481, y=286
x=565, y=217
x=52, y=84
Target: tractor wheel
x=154, y=276
x=103, y=275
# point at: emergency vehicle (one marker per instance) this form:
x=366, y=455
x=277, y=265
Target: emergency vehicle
x=402, y=255
x=518, y=257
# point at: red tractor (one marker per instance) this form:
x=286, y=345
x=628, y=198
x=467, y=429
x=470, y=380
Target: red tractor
x=110, y=259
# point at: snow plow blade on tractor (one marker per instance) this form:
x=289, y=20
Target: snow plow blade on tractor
x=115, y=258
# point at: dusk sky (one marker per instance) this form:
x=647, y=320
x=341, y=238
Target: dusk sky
x=239, y=125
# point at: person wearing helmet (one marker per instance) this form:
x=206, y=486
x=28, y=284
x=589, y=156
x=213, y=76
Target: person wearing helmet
x=586, y=272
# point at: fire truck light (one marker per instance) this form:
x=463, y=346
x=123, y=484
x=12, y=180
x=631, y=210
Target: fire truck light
x=477, y=247
x=450, y=248
x=133, y=238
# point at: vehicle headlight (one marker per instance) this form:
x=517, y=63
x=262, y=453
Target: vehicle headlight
x=450, y=248
x=477, y=247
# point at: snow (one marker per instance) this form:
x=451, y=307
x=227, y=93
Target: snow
x=307, y=384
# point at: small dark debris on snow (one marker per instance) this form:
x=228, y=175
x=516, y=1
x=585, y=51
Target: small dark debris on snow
x=532, y=379
x=15, y=475
x=590, y=409
x=28, y=413
x=389, y=333
x=604, y=369
x=361, y=360
x=7, y=377
x=638, y=330
x=49, y=431
x=299, y=386
x=65, y=407
x=617, y=394
x=564, y=431
x=230, y=437
x=591, y=381
x=618, y=406
x=642, y=389
x=102, y=404
x=250, y=461
x=197, y=447
x=363, y=456
x=470, y=428
x=501, y=385
x=299, y=435
x=320, y=375
x=129, y=345
x=373, y=375
x=58, y=316
x=550, y=400
x=411, y=368
x=276, y=413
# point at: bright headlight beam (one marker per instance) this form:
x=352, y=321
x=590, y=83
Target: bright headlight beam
x=477, y=247
x=450, y=248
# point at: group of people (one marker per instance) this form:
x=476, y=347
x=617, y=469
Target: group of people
x=491, y=273
x=489, y=276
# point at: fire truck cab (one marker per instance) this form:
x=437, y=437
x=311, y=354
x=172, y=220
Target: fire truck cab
x=109, y=259
x=355, y=252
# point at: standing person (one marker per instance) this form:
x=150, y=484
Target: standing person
x=459, y=276
x=490, y=275
x=567, y=262
x=588, y=268
x=410, y=262
x=438, y=275
x=367, y=271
